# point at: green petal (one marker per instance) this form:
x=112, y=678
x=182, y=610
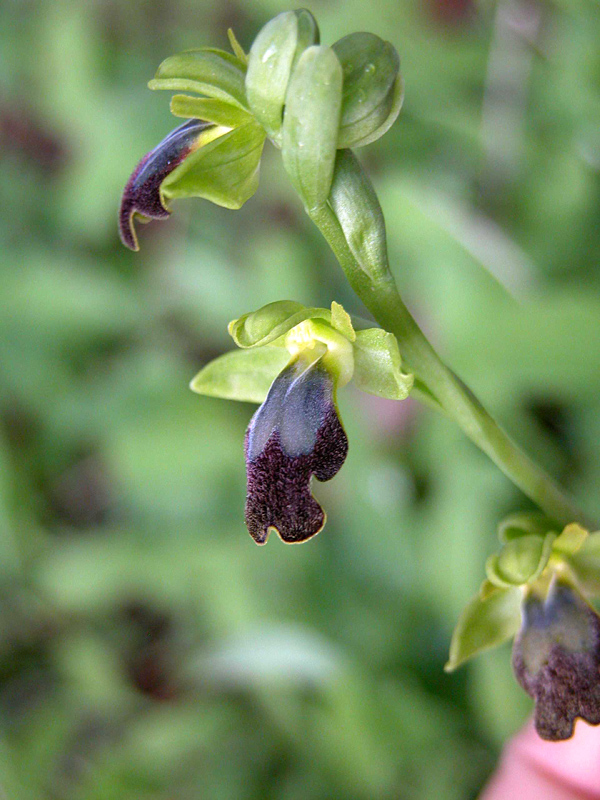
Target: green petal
x=217, y=111
x=244, y=375
x=237, y=48
x=377, y=365
x=342, y=321
x=310, y=124
x=207, y=71
x=272, y=56
x=225, y=171
x=272, y=321
x=570, y=540
x=371, y=68
x=485, y=623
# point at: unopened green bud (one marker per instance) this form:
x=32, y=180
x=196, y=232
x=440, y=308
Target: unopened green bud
x=272, y=57
x=372, y=91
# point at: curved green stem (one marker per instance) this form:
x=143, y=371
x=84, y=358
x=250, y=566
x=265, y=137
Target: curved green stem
x=378, y=291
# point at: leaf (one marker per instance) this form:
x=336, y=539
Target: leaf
x=520, y=560
x=377, y=365
x=357, y=208
x=217, y=111
x=225, y=171
x=244, y=375
x=485, y=623
x=310, y=124
x=207, y=71
x=272, y=56
x=370, y=68
x=272, y=321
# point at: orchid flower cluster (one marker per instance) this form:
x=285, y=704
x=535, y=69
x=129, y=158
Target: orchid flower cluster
x=315, y=103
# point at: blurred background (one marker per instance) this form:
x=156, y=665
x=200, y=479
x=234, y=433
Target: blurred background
x=148, y=649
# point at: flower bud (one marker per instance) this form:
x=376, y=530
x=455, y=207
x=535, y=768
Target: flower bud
x=372, y=88
x=272, y=57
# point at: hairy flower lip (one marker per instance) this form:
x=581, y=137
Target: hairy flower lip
x=295, y=434
x=556, y=659
x=142, y=192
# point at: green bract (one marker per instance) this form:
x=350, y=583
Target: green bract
x=280, y=330
x=359, y=214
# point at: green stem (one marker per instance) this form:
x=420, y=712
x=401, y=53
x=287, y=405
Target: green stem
x=379, y=293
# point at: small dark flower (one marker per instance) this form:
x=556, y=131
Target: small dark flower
x=556, y=659
x=142, y=195
x=295, y=434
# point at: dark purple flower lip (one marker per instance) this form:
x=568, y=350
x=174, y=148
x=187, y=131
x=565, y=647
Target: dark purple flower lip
x=142, y=193
x=556, y=659
x=295, y=434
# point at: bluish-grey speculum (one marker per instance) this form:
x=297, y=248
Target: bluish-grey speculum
x=556, y=659
x=142, y=192
x=295, y=434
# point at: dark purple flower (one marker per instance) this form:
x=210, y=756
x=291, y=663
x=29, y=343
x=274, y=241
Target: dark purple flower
x=295, y=434
x=556, y=659
x=142, y=195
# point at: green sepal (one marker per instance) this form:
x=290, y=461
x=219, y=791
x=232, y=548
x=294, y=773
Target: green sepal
x=208, y=71
x=225, y=171
x=524, y=523
x=217, y=111
x=377, y=365
x=486, y=622
x=371, y=70
x=244, y=375
x=271, y=322
x=520, y=560
x=357, y=209
x=273, y=54
x=310, y=124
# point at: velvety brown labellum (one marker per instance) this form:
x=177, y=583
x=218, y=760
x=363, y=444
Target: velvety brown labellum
x=142, y=192
x=556, y=659
x=295, y=434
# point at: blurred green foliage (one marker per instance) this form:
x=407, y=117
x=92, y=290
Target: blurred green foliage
x=148, y=649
